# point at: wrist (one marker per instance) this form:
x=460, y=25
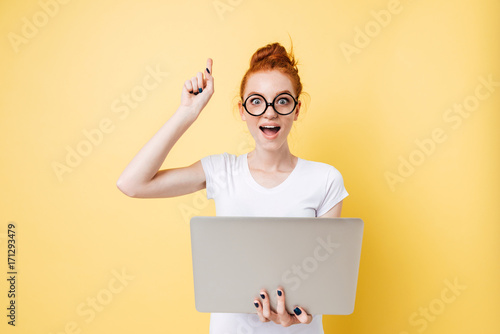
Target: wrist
x=188, y=112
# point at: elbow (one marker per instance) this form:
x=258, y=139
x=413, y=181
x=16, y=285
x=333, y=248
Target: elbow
x=126, y=188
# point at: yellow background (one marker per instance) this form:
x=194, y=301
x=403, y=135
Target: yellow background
x=365, y=111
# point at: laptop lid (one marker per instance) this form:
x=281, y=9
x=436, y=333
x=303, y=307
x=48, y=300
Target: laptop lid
x=315, y=260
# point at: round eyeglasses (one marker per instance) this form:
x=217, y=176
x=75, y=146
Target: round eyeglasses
x=257, y=105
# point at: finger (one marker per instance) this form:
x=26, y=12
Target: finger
x=189, y=86
x=201, y=82
x=280, y=307
x=194, y=83
x=259, y=311
x=285, y=317
x=209, y=65
x=302, y=315
x=266, y=308
x=209, y=78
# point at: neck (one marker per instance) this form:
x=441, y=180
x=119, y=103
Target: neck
x=272, y=161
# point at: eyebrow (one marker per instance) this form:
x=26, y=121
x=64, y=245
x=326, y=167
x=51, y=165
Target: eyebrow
x=281, y=92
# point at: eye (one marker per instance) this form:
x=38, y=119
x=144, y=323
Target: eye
x=255, y=101
x=283, y=100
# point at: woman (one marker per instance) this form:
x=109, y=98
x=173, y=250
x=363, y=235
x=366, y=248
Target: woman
x=268, y=181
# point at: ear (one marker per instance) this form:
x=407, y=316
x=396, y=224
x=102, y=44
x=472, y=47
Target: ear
x=242, y=111
x=297, y=110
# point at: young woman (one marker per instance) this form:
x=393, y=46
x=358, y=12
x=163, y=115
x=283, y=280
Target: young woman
x=268, y=181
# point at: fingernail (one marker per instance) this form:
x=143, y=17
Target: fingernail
x=297, y=311
x=208, y=70
x=262, y=296
x=256, y=305
x=200, y=90
x=279, y=293
x=190, y=92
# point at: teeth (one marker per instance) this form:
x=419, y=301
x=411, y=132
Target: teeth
x=269, y=126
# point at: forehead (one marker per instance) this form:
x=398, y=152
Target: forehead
x=268, y=83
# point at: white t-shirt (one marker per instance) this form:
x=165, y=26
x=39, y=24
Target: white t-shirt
x=310, y=190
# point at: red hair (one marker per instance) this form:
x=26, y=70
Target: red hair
x=273, y=57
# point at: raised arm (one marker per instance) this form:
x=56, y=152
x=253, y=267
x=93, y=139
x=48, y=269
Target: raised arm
x=142, y=177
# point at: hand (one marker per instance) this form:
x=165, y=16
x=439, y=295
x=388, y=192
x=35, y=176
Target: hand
x=281, y=317
x=191, y=96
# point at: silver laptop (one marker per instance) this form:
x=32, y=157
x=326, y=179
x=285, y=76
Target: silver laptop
x=315, y=260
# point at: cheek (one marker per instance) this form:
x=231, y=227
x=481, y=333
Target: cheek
x=288, y=124
x=252, y=125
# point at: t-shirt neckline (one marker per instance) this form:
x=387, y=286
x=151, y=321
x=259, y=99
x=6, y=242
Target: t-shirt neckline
x=256, y=185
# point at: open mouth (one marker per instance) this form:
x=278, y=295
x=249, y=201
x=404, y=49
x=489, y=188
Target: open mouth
x=270, y=130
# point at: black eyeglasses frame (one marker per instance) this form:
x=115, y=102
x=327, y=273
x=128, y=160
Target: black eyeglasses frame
x=271, y=104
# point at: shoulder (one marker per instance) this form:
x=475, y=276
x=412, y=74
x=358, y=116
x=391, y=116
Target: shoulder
x=323, y=173
x=321, y=168
x=220, y=160
x=225, y=156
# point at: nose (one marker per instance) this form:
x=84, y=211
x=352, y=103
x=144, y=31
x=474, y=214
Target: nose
x=270, y=112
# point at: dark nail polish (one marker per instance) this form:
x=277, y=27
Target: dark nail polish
x=190, y=92
x=200, y=90
x=279, y=293
x=256, y=305
x=208, y=70
x=297, y=311
x=262, y=296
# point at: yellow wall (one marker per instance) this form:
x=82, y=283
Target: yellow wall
x=65, y=70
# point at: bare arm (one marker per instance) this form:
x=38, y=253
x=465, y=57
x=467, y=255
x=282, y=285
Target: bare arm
x=142, y=178
x=333, y=212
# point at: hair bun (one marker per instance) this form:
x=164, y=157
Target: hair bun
x=274, y=57
x=273, y=54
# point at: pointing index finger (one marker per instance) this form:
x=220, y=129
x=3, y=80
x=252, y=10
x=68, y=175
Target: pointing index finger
x=209, y=65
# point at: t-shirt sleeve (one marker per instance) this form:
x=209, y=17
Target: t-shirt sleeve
x=334, y=191
x=213, y=165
